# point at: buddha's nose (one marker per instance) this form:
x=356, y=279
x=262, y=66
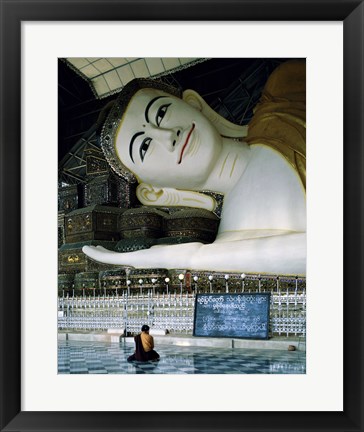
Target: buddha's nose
x=167, y=137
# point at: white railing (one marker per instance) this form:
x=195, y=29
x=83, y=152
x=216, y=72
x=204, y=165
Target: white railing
x=172, y=312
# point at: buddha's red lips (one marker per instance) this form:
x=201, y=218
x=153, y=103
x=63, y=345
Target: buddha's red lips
x=186, y=142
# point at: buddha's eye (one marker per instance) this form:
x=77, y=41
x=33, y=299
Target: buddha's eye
x=144, y=147
x=161, y=113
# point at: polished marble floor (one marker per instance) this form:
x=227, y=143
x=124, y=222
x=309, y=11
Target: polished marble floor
x=76, y=357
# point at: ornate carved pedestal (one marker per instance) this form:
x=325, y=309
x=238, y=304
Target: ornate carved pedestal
x=72, y=260
x=86, y=283
x=141, y=222
x=193, y=224
x=148, y=280
x=65, y=284
x=68, y=198
x=112, y=282
x=95, y=222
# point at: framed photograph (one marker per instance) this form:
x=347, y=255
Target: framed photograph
x=34, y=37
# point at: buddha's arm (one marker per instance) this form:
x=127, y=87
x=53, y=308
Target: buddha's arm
x=277, y=254
x=164, y=256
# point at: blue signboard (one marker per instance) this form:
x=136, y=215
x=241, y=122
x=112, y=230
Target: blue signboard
x=244, y=315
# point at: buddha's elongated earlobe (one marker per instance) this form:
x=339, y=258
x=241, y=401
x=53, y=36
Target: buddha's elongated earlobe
x=193, y=99
x=170, y=197
x=224, y=127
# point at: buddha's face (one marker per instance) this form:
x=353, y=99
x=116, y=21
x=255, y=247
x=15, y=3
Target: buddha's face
x=166, y=142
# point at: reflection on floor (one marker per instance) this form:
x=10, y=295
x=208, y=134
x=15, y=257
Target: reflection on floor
x=76, y=357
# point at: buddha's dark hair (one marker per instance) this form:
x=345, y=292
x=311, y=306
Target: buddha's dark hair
x=145, y=327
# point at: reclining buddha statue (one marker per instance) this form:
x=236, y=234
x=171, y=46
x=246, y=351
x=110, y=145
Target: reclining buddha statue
x=176, y=147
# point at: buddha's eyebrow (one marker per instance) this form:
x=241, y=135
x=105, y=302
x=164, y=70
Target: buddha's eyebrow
x=149, y=105
x=131, y=144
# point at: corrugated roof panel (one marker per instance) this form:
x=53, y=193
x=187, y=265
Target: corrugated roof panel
x=119, y=71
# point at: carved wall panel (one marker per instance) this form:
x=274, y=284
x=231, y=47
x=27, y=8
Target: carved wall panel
x=68, y=198
x=72, y=260
x=197, y=224
x=142, y=222
x=93, y=223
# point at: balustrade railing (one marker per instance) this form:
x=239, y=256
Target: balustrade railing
x=174, y=311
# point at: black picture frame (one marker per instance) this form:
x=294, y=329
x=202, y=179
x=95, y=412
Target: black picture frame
x=351, y=13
